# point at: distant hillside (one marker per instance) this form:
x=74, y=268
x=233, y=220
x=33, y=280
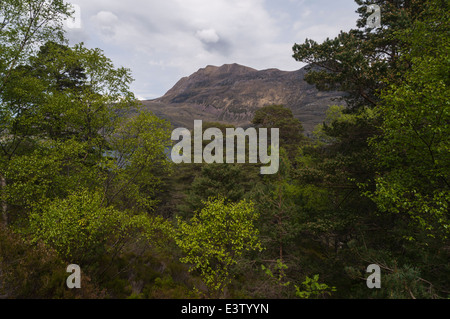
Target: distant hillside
x=232, y=93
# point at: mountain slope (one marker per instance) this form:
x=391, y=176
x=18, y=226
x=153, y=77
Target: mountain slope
x=232, y=93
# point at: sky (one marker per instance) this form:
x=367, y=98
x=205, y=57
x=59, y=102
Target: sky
x=161, y=41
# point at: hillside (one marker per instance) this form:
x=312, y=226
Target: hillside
x=232, y=93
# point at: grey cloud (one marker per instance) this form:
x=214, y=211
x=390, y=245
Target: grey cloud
x=161, y=41
x=222, y=47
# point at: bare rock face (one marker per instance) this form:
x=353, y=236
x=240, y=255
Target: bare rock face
x=232, y=93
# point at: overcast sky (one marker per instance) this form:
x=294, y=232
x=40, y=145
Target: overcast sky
x=162, y=41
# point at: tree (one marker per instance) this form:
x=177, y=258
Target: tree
x=278, y=116
x=413, y=147
x=79, y=227
x=276, y=203
x=23, y=25
x=73, y=97
x=376, y=154
x=216, y=237
x=79, y=170
x=84, y=230
x=136, y=162
x=356, y=62
x=231, y=181
x=33, y=271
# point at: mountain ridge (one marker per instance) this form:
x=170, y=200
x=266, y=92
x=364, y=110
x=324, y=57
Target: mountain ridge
x=232, y=93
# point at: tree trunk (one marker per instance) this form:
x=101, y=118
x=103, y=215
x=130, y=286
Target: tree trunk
x=3, y=200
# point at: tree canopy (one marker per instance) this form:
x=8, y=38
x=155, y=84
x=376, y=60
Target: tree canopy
x=86, y=178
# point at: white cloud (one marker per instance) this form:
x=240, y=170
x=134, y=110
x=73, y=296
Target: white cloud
x=106, y=21
x=106, y=18
x=162, y=41
x=208, y=36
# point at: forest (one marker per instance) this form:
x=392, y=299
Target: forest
x=85, y=178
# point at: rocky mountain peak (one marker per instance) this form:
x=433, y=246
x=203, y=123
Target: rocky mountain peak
x=232, y=93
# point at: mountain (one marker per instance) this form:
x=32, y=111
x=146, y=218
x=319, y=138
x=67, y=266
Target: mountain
x=232, y=93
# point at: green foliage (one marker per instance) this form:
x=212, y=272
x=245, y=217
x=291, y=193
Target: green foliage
x=311, y=286
x=85, y=176
x=137, y=159
x=50, y=171
x=276, y=197
x=279, y=268
x=215, y=237
x=390, y=140
x=82, y=103
x=278, y=116
x=327, y=176
x=231, y=181
x=413, y=148
x=59, y=110
x=25, y=24
x=78, y=171
x=81, y=229
x=313, y=289
x=33, y=271
x=356, y=61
